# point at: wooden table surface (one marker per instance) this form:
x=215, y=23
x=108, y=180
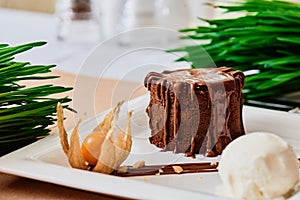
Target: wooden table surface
x=90, y=96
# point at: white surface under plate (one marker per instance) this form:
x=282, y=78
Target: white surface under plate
x=45, y=161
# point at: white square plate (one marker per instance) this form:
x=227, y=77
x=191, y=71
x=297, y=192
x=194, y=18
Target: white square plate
x=45, y=161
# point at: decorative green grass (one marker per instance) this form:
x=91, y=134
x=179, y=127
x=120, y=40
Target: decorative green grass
x=266, y=40
x=25, y=112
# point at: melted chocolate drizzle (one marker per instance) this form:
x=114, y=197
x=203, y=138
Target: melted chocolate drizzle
x=168, y=169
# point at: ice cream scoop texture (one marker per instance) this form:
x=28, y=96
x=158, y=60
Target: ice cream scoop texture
x=258, y=166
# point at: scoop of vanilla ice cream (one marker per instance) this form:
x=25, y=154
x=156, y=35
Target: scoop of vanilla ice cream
x=258, y=166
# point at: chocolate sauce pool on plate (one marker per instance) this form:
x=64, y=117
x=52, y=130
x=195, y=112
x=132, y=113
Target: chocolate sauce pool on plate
x=168, y=169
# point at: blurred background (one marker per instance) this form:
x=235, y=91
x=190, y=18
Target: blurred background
x=30, y=5
x=121, y=15
x=73, y=28
x=114, y=16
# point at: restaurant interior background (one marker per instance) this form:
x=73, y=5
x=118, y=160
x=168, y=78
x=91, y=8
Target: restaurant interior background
x=182, y=14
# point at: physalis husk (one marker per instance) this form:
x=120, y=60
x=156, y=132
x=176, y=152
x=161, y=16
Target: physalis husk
x=111, y=153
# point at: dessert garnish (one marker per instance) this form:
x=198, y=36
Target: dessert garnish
x=177, y=169
x=138, y=164
x=99, y=152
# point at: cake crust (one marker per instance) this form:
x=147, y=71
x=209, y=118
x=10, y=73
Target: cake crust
x=195, y=110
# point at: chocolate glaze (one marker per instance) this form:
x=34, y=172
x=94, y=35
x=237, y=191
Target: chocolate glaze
x=195, y=110
x=168, y=169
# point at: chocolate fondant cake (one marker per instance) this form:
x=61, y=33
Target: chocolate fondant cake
x=195, y=110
